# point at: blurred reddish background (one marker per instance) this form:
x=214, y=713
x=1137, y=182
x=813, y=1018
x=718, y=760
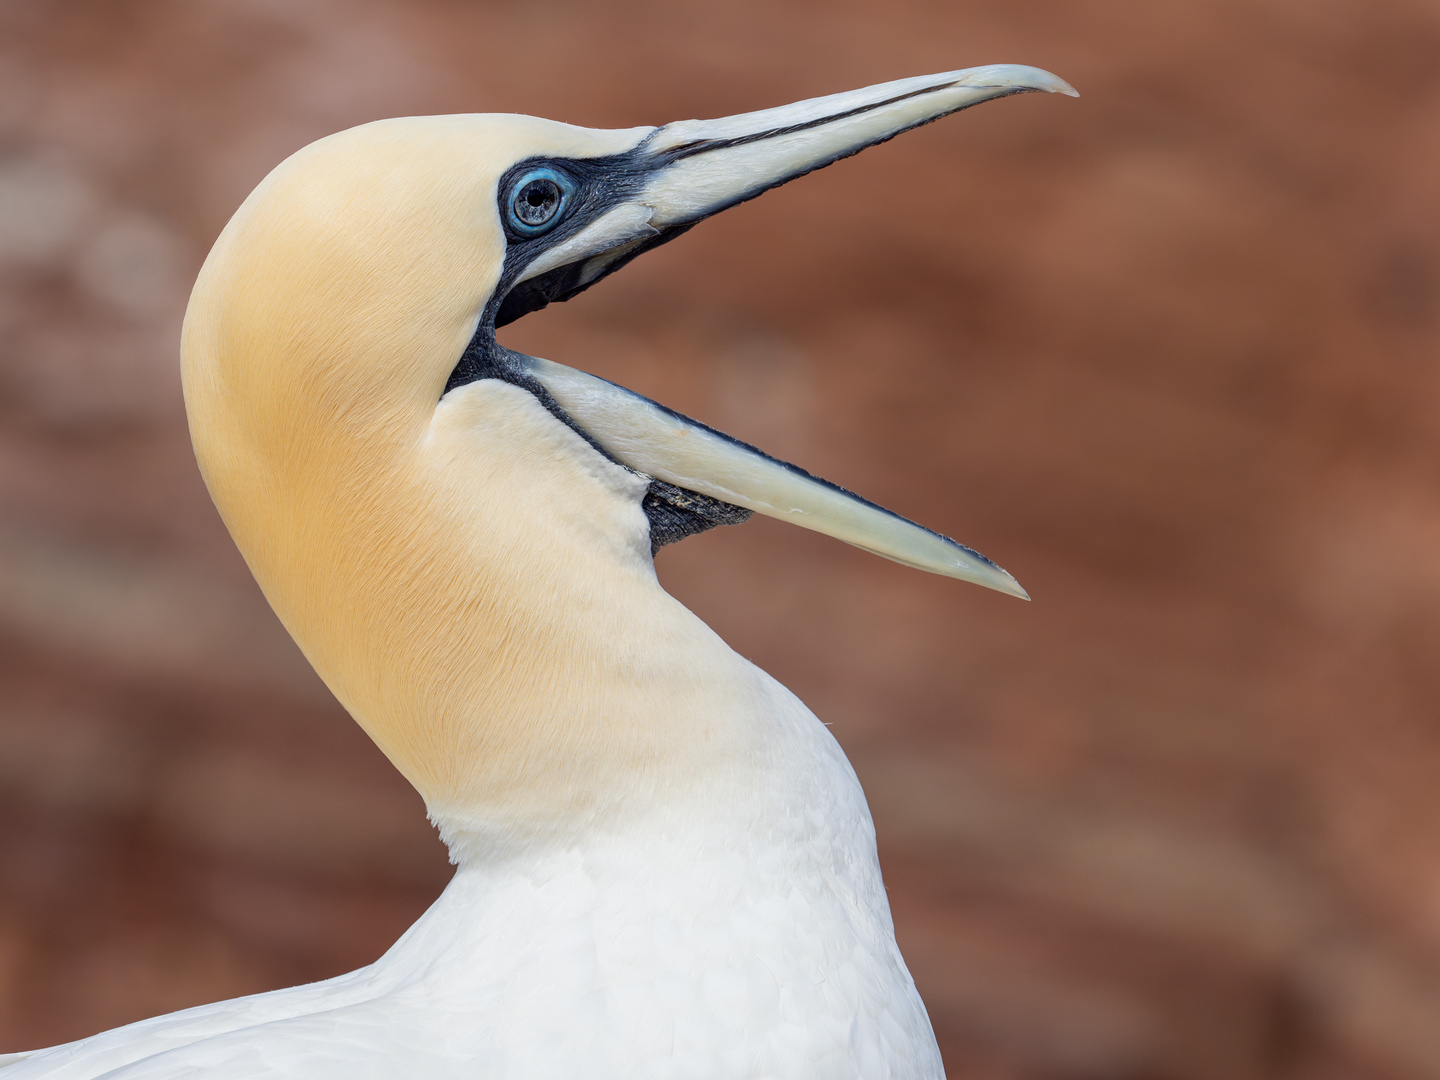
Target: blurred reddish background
x=1167, y=352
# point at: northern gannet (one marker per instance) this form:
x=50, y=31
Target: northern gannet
x=666, y=867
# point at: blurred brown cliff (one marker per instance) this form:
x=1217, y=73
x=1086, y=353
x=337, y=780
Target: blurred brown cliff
x=1168, y=352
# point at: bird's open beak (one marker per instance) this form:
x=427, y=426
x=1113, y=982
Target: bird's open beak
x=686, y=171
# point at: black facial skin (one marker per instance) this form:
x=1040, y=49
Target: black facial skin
x=599, y=184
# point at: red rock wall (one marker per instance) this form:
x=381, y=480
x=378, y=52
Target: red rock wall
x=1167, y=352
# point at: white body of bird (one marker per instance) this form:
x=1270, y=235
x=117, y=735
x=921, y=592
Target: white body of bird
x=666, y=865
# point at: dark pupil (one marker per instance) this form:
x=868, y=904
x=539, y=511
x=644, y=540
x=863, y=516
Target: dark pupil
x=537, y=202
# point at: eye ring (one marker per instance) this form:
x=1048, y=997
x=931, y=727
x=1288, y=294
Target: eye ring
x=537, y=201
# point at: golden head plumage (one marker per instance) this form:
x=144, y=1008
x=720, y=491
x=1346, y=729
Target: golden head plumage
x=469, y=570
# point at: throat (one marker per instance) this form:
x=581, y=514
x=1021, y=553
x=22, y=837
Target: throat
x=752, y=775
x=673, y=512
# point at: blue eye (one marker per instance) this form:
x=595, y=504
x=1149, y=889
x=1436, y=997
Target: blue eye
x=536, y=201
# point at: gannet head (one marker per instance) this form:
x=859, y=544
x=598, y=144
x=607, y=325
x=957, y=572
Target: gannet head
x=460, y=536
